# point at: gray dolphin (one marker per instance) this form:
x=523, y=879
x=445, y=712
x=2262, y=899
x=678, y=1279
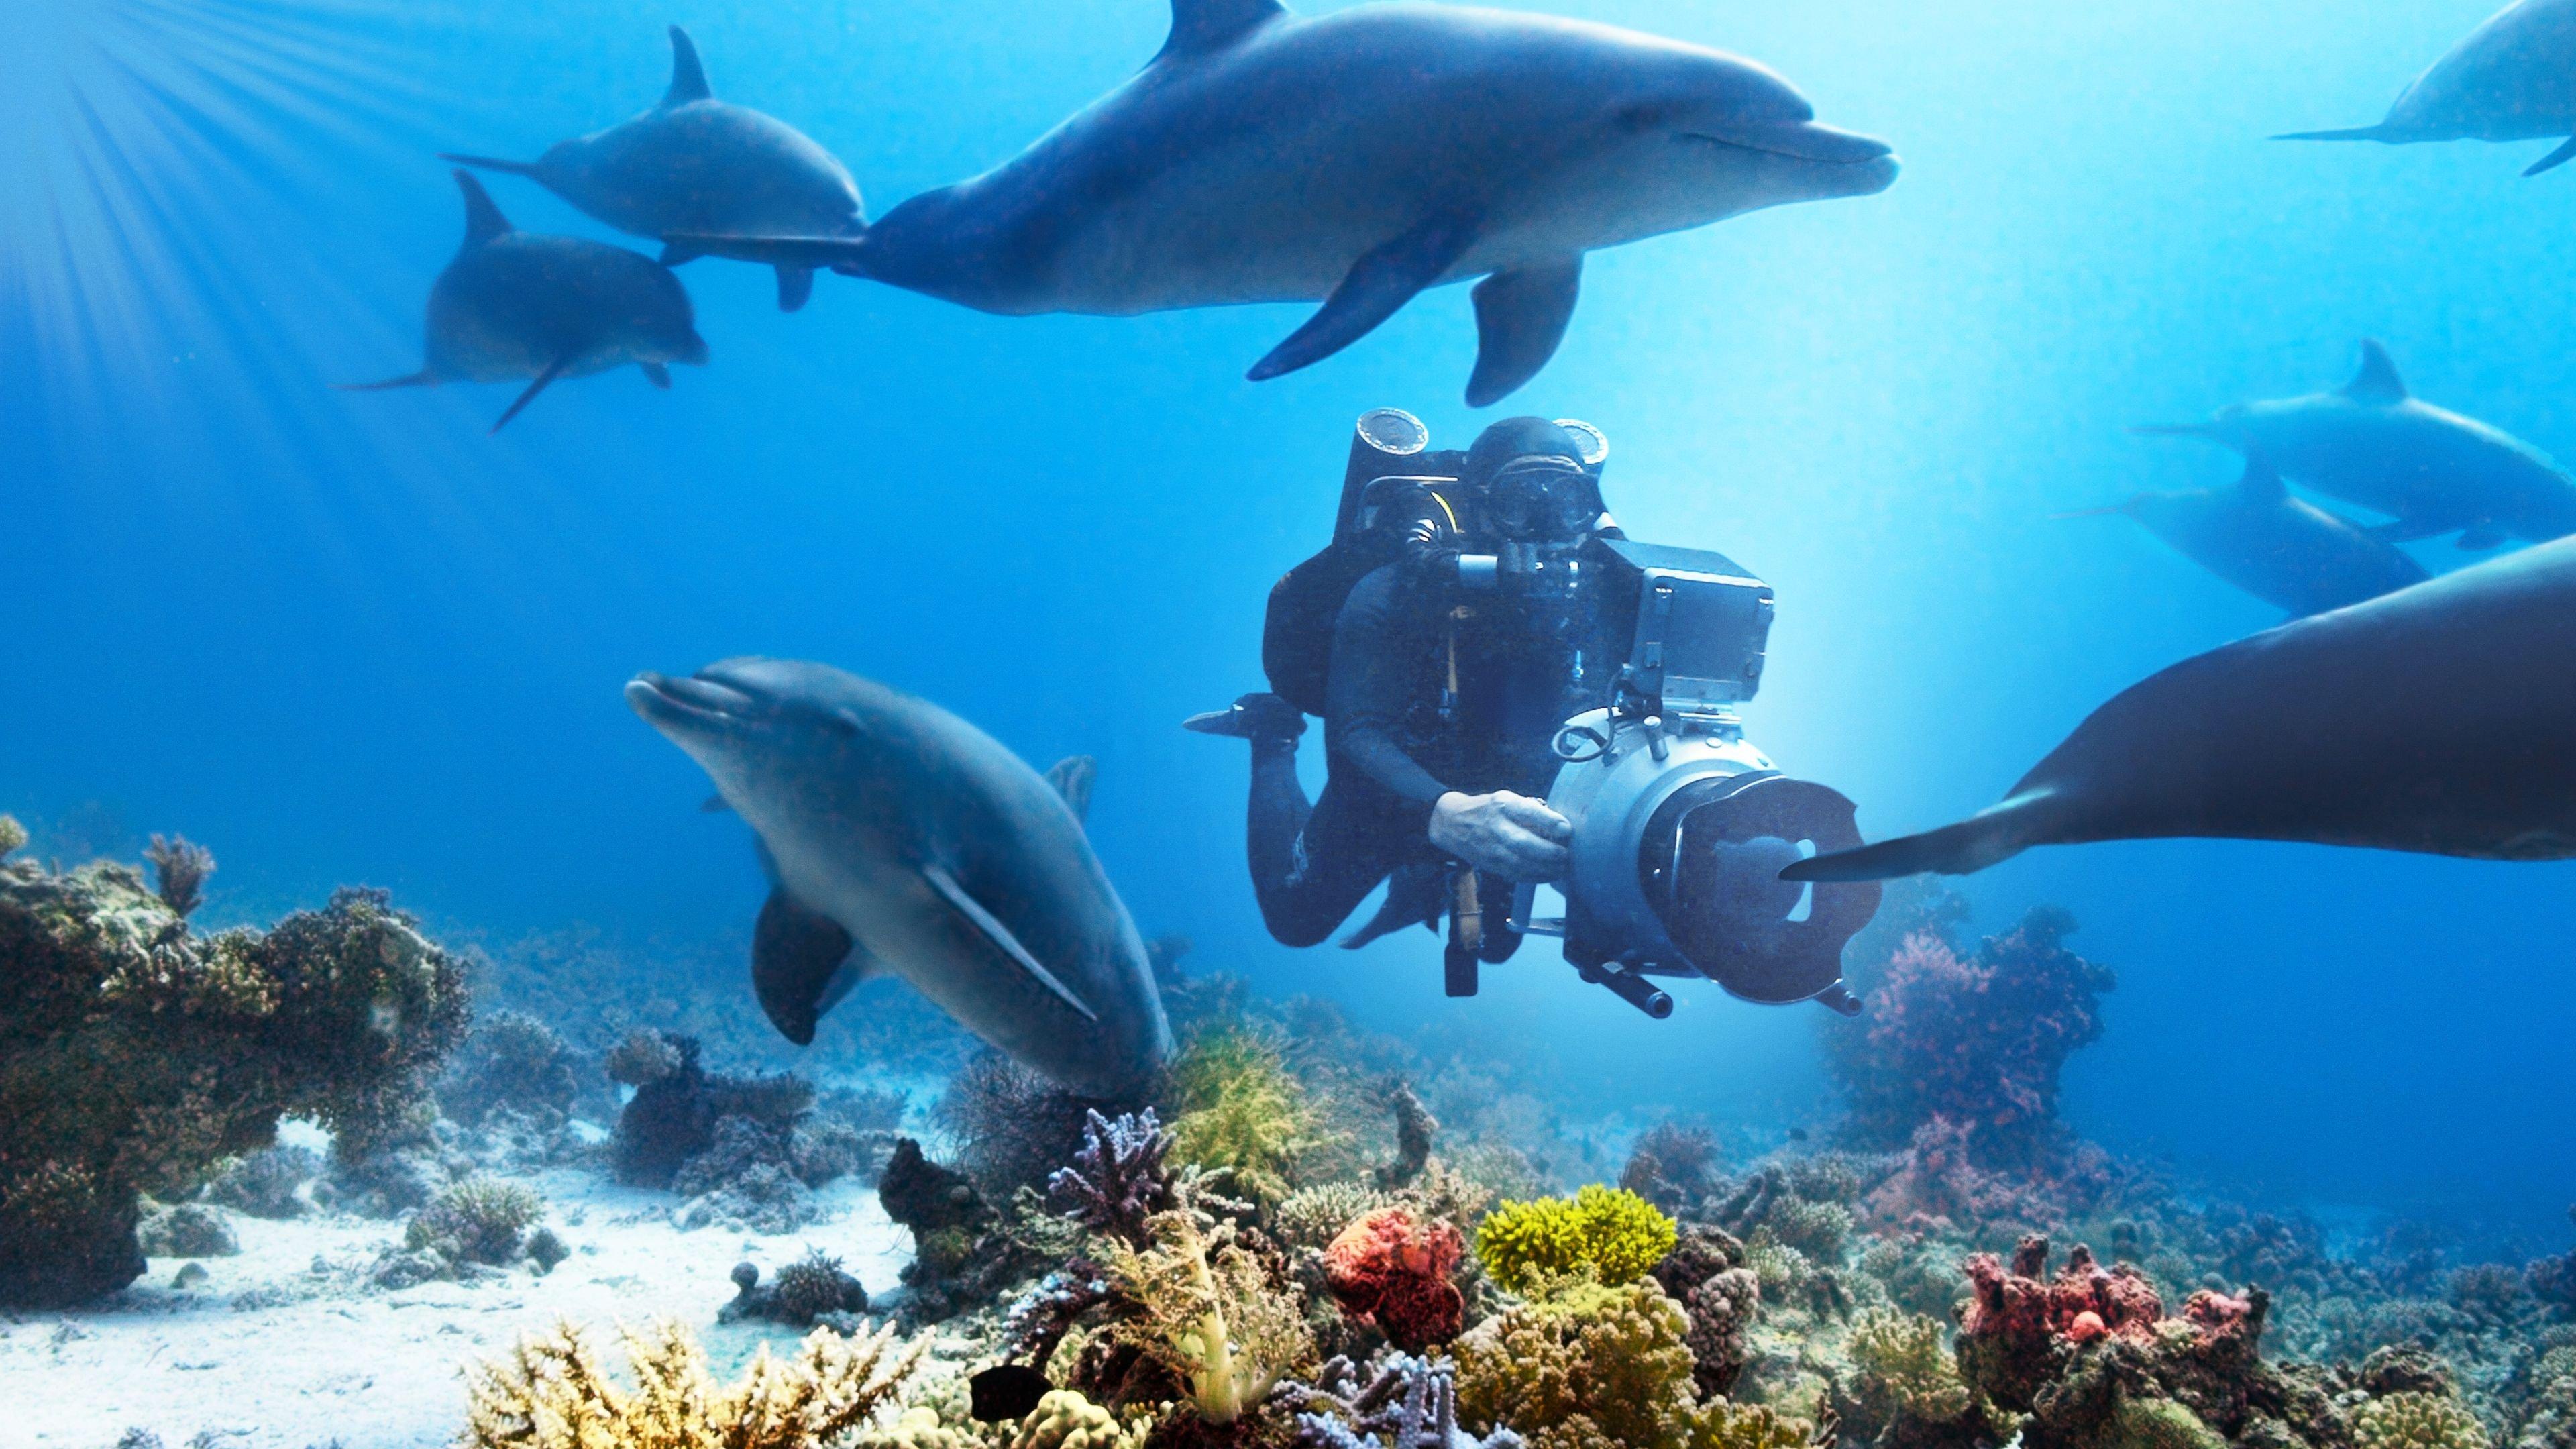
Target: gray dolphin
x=901, y=838
x=1357, y=158
x=513, y=305
x=2511, y=79
x=697, y=164
x=2283, y=550
x=2432, y=470
x=2440, y=718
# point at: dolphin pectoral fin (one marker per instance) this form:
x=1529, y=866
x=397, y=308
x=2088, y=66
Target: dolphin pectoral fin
x=2565, y=153
x=422, y=378
x=1199, y=26
x=795, y=287
x=1987, y=838
x=795, y=953
x=656, y=374
x=2261, y=481
x=2377, y=382
x=1072, y=777
x=490, y=163
x=2478, y=538
x=1378, y=284
x=2350, y=133
x=544, y=380
x=1520, y=319
x=688, y=77
x=977, y=923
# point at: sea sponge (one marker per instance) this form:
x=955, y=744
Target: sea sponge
x=1902, y=1369
x=138, y=1055
x=2417, y=1421
x=1392, y=1269
x=477, y=1220
x=1211, y=1314
x=552, y=1393
x=1242, y=1110
x=1591, y=1367
x=1611, y=1231
x=1064, y=1419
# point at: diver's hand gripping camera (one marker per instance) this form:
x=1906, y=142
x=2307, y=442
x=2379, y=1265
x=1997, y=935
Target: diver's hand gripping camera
x=1681, y=826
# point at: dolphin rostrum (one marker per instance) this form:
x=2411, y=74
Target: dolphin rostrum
x=2432, y=470
x=697, y=164
x=513, y=305
x=901, y=838
x=2435, y=719
x=2283, y=550
x=2511, y=79
x=1357, y=158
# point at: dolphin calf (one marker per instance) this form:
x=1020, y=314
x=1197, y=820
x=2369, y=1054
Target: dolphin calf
x=1357, y=158
x=900, y=838
x=2280, y=549
x=696, y=164
x=2431, y=470
x=2438, y=718
x=512, y=305
x=2511, y=79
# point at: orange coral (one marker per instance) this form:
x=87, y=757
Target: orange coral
x=1391, y=1268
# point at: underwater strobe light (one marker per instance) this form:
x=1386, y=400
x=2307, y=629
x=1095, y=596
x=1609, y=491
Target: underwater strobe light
x=1681, y=827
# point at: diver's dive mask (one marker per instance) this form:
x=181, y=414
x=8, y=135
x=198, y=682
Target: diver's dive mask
x=1541, y=499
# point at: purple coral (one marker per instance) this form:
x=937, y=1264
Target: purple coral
x=1117, y=1179
x=1403, y=1403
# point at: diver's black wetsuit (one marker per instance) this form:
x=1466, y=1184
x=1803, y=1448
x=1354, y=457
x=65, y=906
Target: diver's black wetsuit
x=1523, y=667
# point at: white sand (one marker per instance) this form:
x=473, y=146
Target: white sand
x=378, y=1370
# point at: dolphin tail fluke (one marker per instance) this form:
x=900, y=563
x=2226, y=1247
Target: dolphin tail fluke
x=795, y=288
x=2565, y=153
x=1987, y=838
x=490, y=163
x=422, y=378
x=845, y=254
x=543, y=381
x=2350, y=133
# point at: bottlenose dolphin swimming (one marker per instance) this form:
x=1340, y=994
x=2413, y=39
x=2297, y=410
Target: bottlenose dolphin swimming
x=2438, y=719
x=1357, y=158
x=900, y=838
x=697, y=164
x=512, y=305
x=2511, y=79
x=2431, y=470
x=2282, y=550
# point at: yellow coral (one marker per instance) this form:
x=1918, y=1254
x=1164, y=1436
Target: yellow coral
x=1211, y=1315
x=1241, y=1109
x=1612, y=1231
x=1066, y=1420
x=2417, y=1421
x=1721, y=1425
x=12, y=835
x=1902, y=1368
x=551, y=1393
x=1587, y=1367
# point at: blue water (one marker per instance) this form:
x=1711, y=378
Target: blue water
x=348, y=637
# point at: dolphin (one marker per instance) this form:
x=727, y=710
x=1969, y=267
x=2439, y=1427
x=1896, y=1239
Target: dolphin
x=545, y=307
x=900, y=838
x=2282, y=550
x=2435, y=719
x=1356, y=158
x=2432, y=470
x=2511, y=79
x=696, y=164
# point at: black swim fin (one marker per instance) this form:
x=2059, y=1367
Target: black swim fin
x=1989, y=837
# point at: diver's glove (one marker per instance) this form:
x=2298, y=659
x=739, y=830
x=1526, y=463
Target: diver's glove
x=1512, y=836
x=1253, y=717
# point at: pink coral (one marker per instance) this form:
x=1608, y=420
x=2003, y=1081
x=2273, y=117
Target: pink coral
x=1391, y=1268
x=2016, y=1303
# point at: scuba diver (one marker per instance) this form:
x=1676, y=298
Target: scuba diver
x=1444, y=643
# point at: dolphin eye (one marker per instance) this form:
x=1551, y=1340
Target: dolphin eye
x=1639, y=119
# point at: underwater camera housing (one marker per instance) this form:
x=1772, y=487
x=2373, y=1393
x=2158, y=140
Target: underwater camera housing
x=1681, y=827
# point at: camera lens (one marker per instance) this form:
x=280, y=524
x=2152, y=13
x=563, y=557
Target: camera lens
x=1710, y=862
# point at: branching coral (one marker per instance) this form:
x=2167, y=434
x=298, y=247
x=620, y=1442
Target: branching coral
x=180, y=868
x=1209, y=1311
x=1013, y=1126
x=1900, y=1367
x=1602, y=1367
x=1403, y=1402
x=135, y=1056
x=479, y=1220
x=1311, y=1217
x=1118, y=1180
x=512, y=1062
x=1392, y=1269
x=1243, y=1111
x=553, y=1393
x=2417, y=1421
x=1612, y=1232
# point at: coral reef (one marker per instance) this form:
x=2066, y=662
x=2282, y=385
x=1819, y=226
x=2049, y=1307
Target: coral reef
x=265, y=1184
x=1013, y=1126
x=481, y=1219
x=1241, y=1110
x=553, y=1393
x=13, y=836
x=136, y=1056
x=1903, y=1376
x=814, y=1288
x=1672, y=1166
x=186, y=1230
x=678, y=1106
x=1415, y=1130
x=1402, y=1402
x=1612, y=1232
x=1064, y=1419
x=180, y=868
x=1392, y=1269
x=511, y=1062
x=1117, y=1181
x=1212, y=1314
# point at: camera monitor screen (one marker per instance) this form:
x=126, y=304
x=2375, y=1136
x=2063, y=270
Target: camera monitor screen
x=1702, y=625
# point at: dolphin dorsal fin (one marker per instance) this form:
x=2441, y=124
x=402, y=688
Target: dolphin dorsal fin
x=483, y=220
x=1199, y=26
x=1072, y=777
x=2261, y=482
x=688, y=77
x=2377, y=382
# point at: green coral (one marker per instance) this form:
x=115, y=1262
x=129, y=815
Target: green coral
x=480, y=1219
x=1210, y=1313
x=1066, y=1420
x=1611, y=1231
x=13, y=836
x=2143, y=1423
x=1239, y=1108
x=2417, y=1421
x=1901, y=1368
x=135, y=1056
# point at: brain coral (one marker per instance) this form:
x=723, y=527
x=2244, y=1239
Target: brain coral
x=1613, y=1232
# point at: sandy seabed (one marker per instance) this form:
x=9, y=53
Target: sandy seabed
x=285, y=1346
